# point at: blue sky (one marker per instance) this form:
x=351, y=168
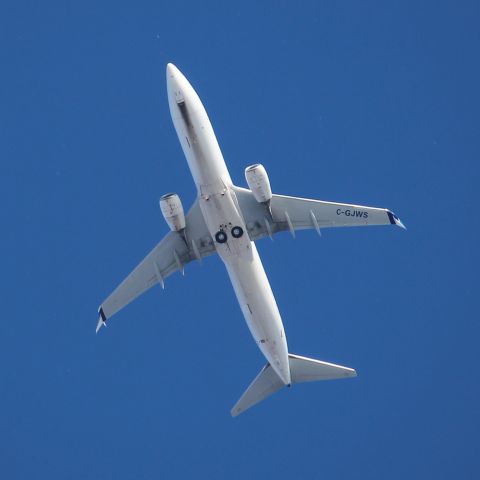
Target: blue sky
x=366, y=102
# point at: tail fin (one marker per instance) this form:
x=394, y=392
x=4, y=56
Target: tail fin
x=302, y=369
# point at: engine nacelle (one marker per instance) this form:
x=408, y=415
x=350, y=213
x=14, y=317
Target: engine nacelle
x=259, y=183
x=172, y=211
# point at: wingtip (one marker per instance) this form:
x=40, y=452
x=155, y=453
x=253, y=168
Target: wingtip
x=401, y=225
x=99, y=325
x=102, y=320
x=394, y=220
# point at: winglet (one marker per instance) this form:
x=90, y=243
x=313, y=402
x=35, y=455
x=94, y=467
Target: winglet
x=394, y=220
x=102, y=320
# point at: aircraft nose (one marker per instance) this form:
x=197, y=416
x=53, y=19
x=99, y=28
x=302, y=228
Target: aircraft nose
x=175, y=83
x=172, y=71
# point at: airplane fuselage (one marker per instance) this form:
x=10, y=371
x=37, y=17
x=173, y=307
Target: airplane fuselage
x=225, y=222
x=217, y=223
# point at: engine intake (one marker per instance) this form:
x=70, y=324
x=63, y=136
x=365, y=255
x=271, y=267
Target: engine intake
x=259, y=183
x=172, y=211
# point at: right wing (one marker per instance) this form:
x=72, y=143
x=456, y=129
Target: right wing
x=171, y=254
x=294, y=213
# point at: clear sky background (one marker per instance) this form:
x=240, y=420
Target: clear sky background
x=367, y=102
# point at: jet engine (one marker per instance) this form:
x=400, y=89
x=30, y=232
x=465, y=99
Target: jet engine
x=259, y=183
x=172, y=211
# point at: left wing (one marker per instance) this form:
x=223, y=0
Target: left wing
x=294, y=213
x=172, y=253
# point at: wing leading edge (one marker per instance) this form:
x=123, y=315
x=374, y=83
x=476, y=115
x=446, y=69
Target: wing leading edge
x=172, y=253
x=294, y=213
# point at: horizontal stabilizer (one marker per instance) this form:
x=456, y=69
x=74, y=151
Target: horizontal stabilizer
x=302, y=369
x=266, y=383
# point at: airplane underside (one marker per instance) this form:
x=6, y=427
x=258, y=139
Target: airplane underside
x=227, y=220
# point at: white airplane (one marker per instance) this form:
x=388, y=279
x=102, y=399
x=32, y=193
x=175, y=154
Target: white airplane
x=227, y=220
